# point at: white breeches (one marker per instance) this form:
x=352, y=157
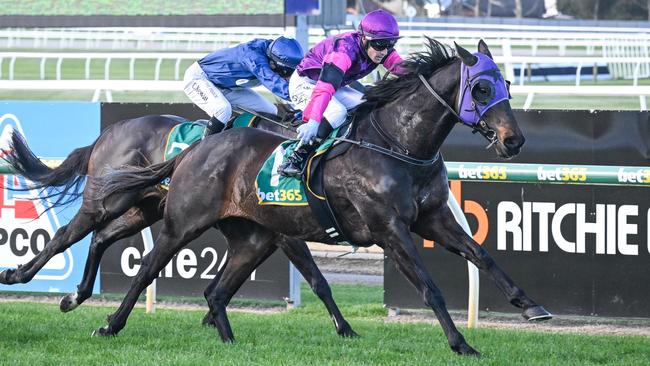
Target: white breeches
x=218, y=102
x=300, y=90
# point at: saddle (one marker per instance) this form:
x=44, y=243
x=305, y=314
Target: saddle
x=273, y=189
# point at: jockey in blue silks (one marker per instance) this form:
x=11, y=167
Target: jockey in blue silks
x=225, y=77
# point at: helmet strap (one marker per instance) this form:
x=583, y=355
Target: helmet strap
x=364, y=42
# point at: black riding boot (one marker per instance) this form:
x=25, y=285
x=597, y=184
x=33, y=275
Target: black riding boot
x=292, y=167
x=214, y=126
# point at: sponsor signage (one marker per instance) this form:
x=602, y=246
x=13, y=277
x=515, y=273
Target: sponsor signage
x=549, y=173
x=26, y=224
x=574, y=248
x=192, y=268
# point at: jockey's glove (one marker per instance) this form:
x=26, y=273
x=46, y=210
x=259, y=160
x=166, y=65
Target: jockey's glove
x=307, y=132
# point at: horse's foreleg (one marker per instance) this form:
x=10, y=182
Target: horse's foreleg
x=298, y=253
x=442, y=227
x=400, y=248
x=124, y=226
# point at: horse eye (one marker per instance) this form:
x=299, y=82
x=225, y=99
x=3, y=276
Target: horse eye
x=483, y=92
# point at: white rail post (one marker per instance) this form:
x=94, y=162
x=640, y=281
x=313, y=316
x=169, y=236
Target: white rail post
x=507, y=54
x=295, y=298
x=472, y=271
x=147, y=239
x=12, y=63
x=107, y=69
x=132, y=68
x=42, y=68
x=157, y=69
x=59, y=62
x=87, y=68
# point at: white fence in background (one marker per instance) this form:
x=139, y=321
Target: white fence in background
x=526, y=40
x=60, y=57
x=635, y=67
x=108, y=86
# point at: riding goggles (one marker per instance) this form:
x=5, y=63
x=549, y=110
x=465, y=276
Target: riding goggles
x=482, y=87
x=382, y=44
x=283, y=71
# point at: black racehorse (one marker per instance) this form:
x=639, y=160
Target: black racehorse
x=134, y=142
x=391, y=182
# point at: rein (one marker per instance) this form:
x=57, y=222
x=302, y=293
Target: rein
x=391, y=153
x=264, y=118
x=404, y=155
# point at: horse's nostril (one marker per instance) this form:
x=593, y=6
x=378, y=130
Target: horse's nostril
x=513, y=142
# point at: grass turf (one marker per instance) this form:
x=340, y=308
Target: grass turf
x=39, y=334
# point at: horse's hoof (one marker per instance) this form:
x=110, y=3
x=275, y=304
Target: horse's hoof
x=102, y=332
x=227, y=338
x=536, y=313
x=466, y=350
x=347, y=331
x=68, y=302
x=6, y=275
x=208, y=320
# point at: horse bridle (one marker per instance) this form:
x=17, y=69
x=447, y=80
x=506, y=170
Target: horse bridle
x=481, y=127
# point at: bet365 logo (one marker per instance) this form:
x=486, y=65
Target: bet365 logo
x=25, y=225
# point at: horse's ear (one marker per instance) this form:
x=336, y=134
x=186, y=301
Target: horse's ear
x=465, y=56
x=483, y=48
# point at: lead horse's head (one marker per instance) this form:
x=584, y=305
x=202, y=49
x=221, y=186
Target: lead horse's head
x=483, y=101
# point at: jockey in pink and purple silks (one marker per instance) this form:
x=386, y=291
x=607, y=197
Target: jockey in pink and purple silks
x=320, y=85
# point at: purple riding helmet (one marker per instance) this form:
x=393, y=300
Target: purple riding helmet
x=482, y=86
x=379, y=25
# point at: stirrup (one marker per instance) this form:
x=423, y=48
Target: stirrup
x=291, y=170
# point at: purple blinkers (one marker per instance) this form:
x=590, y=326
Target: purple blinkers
x=482, y=86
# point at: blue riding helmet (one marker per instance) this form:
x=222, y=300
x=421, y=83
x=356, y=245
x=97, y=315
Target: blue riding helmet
x=285, y=54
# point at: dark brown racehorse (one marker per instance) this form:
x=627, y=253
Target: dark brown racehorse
x=133, y=142
x=393, y=184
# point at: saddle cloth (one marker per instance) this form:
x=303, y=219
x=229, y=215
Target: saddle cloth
x=183, y=135
x=274, y=189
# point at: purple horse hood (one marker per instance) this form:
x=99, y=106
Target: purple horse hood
x=348, y=43
x=482, y=86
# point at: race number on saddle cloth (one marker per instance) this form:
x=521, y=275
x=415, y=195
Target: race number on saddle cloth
x=274, y=189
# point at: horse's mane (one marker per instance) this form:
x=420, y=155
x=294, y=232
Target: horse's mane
x=424, y=63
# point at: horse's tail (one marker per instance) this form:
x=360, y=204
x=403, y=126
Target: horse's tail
x=132, y=178
x=66, y=179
